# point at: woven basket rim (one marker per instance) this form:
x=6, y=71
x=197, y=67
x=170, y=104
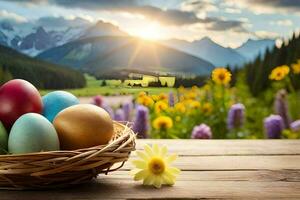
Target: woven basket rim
x=62, y=151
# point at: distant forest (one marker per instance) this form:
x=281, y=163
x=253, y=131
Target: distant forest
x=42, y=74
x=258, y=71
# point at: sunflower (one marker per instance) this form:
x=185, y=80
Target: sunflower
x=162, y=123
x=180, y=107
x=145, y=101
x=296, y=67
x=195, y=104
x=207, y=108
x=160, y=106
x=279, y=73
x=221, y=76
x=153, y=166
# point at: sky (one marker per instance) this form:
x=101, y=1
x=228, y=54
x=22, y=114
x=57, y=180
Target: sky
x=227, y=22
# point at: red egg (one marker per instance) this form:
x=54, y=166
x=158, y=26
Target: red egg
x=18, y=97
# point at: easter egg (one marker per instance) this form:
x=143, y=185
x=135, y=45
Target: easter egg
x=83, y=126
x=3, y=139
x=18, y=97
x=32, y=133
x=56, y=101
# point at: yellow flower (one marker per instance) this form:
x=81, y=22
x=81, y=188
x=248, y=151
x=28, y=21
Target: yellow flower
x=141, y=94
x=180, y=107
x=279, y=73
x=153, y=166
x=162, y=123
x=181, y=89
x=195, y=104
x=163, y=96
x=155, y=97
x=221, y=76
x=177, y=118
x=296, y=67
x=195, y=88
x=160, y=106
x=191, y=95
x=145, y=100
x=207, y=108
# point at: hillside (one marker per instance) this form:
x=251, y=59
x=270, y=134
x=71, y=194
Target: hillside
x=252, y=48
x=209, y=50
x=258, y=71
x=42, y=74
x=103, y=54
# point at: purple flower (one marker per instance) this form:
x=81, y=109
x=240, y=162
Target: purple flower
x=119, y=115
x=295, y=126
x=97, y=100
x=236, y=116
x=281, y=107
x=273, y=126
x=127, y=108
x=141, y=122
x=171, y=99
x=109, y=110
x=201, y=132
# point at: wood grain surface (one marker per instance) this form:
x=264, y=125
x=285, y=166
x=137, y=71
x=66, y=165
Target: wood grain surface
x=211, y=169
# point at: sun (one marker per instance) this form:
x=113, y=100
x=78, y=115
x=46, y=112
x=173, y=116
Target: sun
x=149, y=32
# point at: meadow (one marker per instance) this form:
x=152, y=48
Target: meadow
x=94, y=87
x=218, y=109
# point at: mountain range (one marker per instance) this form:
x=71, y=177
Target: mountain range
x=100, y=55
x=104, y=46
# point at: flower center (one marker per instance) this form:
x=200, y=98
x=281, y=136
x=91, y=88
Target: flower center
x=156, y=166
x=221, y=76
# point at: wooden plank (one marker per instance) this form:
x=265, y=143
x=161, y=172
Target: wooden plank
x=124, y=189
x=228, y=147
x=256, y=176
x=208, y=163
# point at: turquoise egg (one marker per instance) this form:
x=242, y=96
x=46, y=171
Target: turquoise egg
x=32, y=133
x=3, y=139
x=54, y=102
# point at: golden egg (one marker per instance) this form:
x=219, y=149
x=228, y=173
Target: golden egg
x=83, y=126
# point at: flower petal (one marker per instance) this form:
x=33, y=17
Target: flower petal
x=163, y=151
x=141, y=164
x=157, y=182
x=148, y=180
x=141, y=175
x=156, y=149
x=173, y=170
x=168, y=179
x=171, y=158
x=142, y=155
x=148, y=150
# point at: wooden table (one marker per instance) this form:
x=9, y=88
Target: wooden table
x=211, y=169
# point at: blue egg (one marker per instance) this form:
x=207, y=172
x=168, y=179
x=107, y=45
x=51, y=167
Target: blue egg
x=32, y=132
x=54, y=102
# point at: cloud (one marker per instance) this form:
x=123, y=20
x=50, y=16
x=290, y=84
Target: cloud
x=220, y=25
x=199, y=6
x=11, y=17
x=169, y=17
x=61, y=22
x=266, y=34
x=266, y=6
x=285, y=22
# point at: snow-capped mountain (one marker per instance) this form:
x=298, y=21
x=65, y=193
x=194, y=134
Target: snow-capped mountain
x=40, y=38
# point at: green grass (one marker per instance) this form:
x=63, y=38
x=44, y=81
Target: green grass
x=94, y=87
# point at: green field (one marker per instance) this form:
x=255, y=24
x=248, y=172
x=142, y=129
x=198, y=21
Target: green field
x=94, y=87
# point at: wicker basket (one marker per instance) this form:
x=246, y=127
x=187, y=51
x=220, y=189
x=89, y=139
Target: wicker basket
x=55, y=169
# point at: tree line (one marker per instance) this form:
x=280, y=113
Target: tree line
x=257, y=71
x=42, y=74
